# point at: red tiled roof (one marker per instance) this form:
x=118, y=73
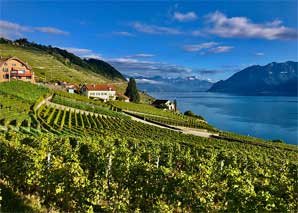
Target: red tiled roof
x=100, y=87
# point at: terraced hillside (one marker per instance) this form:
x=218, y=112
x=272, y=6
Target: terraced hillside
x=54, y=64
x=86, y=156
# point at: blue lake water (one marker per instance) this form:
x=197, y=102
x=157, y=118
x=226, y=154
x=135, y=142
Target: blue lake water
x=268, y=117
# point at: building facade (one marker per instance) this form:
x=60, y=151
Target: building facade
x=99, y=91
x=14, y=68
x=164, y=104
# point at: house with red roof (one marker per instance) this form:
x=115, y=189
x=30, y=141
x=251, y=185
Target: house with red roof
x=14, y=68
x=105, y=92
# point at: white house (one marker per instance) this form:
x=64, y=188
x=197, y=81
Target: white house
x=164, y=104
x=100, y=91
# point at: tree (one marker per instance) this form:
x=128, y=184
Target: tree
x=192, y=114
x=132, y=91
x=189, y=113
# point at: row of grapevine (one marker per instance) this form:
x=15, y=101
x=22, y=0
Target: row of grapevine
x=60, y=120
x=105, y=173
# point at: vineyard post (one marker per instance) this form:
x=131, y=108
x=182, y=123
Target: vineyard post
x=108, y=171
x=48, y=168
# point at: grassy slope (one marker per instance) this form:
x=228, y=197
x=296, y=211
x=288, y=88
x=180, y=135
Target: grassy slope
x=214, y=173
x=46, y=67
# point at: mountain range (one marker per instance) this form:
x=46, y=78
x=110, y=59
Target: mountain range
x=179, y=84
x=271, y=79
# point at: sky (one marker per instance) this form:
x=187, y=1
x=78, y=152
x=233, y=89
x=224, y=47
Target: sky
x=207, y=39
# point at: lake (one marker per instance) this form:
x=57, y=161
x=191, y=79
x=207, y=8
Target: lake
x=267, y=117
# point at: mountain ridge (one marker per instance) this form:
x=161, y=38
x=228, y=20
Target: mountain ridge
x=179, y=84
x=271, y=79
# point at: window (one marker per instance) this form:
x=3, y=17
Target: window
x=5, y=69
x=5, y=64
x=28, y=77
x=14, y=65
x=6, y=76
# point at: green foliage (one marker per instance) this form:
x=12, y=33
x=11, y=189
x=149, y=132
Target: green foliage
x=68, y=161
x=99, y=107
x=229, y=136
x=69, y=59
x=148, y=112
x=13, y=109
x=278, y=141
x=51, y=66
x=24, y=90
x=192, y=114
x=114, y=173
x=103, y=68
x=132, y=91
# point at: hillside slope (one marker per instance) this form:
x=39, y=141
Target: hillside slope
x=52, y=64
x=96, y=159
x=272, y=79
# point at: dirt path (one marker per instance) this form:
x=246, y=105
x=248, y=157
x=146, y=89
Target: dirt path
x=159, y=116
x=185, y=130
x=192, y=131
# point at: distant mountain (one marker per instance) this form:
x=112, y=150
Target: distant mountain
x=54, y=63
x=271, y=79
x=160, y=84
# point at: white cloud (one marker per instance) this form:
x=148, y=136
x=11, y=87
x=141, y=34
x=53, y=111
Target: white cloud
x=152, y=29
x=13, y=30
x=77, y=51
x=93, y=55
x=51, y=30
x=147, y=81
x=260, y=54
x=142, y=55
x=82, y=52
x=184, y=17
x=210, y=47
x=134, y=67
x=123, y=33
x=242, y=27
x=221, y=49
x=198, y=47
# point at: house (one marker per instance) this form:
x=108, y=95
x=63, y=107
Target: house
x=164, y=104
x=99, y=91
x=72, y=88
x=14, y=68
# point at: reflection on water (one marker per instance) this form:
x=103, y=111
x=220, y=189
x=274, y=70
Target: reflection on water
x=268, y=117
